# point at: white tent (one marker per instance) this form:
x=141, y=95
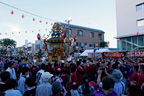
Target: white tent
x=85, y=53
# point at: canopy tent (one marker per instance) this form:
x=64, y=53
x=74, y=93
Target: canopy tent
x=85, y=53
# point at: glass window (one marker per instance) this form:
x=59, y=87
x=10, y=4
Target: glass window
x=92, y=35
x=90, y=45
x=79, y=33
x=139, y=7
x=77, y=43
x=141, y=40
x=87, y=44
x=140, y=22
x=100, y=36
x=128, y=46
x=123, y=45
x=87, y=34
x=82, y=44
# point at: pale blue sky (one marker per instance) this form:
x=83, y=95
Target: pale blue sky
x=98, y=14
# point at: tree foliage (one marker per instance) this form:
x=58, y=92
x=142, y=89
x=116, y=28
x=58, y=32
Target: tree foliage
x=103, y=44
x=8, y=43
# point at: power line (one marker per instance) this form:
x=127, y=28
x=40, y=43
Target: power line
x=27, y=12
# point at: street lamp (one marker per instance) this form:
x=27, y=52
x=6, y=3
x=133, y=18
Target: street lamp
x=68, y=21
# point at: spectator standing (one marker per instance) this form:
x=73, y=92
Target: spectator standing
x=31, y=90
x=11, y=70
x=107, y=88
x=4, y=77
x=56, y=89
x=74, y=91
x=119, y=86
x=21, y=82
x=39, y=73
x=44, y=89
x=85, y=89
x=11, y=84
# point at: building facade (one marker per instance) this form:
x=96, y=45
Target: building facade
x=86, y=37
x=130, y=24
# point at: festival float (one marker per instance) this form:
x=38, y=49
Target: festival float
x=59, y=43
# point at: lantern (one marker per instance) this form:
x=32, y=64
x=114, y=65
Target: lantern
x=46, y=29
x=38, y=37
x=12, y=12
x=76, y=47
x=32, y=31
x=85, y=46
x=25, y=31
x=96, y=45
x=12, y=33
x=40, y=21
x=51, y=24
x=19, y=32
x=46, y=22
x=137, y=33
x=118, y=40
x=22, y=16
x=33, y=19
x=39, y=30
x=75, y=38
x=108, y=42
x=5, y=33
x=0, y=33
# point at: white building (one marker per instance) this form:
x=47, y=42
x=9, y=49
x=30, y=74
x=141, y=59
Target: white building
x=130, y=20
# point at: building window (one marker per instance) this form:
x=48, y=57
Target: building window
x=90, y=45
x=77, y=43
x=139, y=7
x=92, y=35
x=79, y=33
x=100, y=36
x=81, y=44
x=140, y=22
x=87, y=34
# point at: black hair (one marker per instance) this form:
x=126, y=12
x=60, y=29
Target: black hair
x=30, y=81
x=11, y=83
x=43, y=66
x=11, y=63
x=62, y=65
x=73, y=68
x=78, y=63
x=74, y=86
x=92, y=77
x=108, y=83
x=136, y=68
x=24, y=70
x=5, y=76
x=85, y=79
x=58, y=71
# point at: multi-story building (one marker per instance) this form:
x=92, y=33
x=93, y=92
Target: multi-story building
x=130, y=24
x=86, y=37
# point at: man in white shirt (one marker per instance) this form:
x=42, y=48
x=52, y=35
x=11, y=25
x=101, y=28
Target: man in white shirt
x=39, y=73
x=22, y=87
x=11, y=70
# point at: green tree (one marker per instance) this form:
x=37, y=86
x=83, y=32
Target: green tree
x=40, y=53
x=103, y=44
x=20, y=52
x=8, y=43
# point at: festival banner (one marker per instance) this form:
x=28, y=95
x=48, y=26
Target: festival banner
x=139, y=53
x=113, y=55
x=97, y=55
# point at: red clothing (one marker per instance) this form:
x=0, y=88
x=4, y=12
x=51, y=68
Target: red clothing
x=72, y=78
x=64, y=74
x=50, y=69
x=133, y=89
x=80, y=72
x=88, y=70
x=93, y=84
x=140, y=81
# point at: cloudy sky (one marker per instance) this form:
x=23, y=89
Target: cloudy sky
x=98, y=14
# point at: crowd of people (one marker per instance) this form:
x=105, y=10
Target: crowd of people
x=82, y=77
